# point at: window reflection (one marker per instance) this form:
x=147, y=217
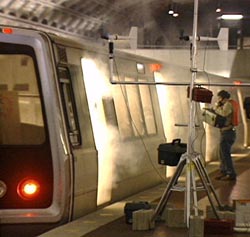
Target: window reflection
x=21, y=120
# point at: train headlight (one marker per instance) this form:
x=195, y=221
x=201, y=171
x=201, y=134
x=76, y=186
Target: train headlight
x=28, y=189
x=3, y=188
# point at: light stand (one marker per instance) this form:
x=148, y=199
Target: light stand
x=190, y=160
x=190, y=176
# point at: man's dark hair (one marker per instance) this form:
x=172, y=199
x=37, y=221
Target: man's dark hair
x=223, y=94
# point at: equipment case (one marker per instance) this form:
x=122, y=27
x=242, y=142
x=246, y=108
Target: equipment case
x=219, y=227
x=213, y=119
x=201, y=94
x=130, y=207
x=170, y=153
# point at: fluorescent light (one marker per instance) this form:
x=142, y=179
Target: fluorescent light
x=232, y=17
x=171, y=12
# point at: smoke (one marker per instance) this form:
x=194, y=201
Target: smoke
x=118, y=160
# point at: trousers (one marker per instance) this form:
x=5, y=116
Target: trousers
x=227, y=139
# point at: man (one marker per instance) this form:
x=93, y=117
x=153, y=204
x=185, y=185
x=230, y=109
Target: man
x=228, y=135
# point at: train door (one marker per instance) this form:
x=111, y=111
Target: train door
x=79, y=127
x=33, y=149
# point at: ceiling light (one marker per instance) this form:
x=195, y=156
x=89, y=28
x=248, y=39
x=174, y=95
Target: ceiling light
x=231, y=17
x=170, y=11
x=218, y=9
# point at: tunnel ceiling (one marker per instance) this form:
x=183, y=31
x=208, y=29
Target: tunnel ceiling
x=88, y=19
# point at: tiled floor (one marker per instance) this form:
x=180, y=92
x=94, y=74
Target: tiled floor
x=110, y=222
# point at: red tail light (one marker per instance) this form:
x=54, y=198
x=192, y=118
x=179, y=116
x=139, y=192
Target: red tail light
x=28, y=189
x=7, y=30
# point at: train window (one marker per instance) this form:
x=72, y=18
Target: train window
x=21, y=118
x=147, y=109
x=134, y=103
x=69, y=106
x=122, y=113
x=140, y=68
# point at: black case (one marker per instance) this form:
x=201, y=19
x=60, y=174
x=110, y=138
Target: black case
x=170, y=153
x=130, y=207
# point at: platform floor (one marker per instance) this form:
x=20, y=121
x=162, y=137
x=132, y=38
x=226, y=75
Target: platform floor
x=110, y=221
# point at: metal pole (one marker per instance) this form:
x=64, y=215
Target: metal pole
x=190, y=179
x=111, y=60
x=243, y=84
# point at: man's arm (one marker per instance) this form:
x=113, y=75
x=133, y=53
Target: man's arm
x=224, y=110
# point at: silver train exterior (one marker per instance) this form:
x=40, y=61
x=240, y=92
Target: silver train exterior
x=70, y=141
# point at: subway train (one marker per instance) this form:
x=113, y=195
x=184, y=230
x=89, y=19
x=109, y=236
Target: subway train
x=70, y=141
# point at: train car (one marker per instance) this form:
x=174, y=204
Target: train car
x=70, y=141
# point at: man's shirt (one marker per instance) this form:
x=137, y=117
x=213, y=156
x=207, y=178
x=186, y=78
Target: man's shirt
x=225, y=110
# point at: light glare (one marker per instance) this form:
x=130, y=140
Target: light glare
x=28, y=189
x=93, y=76
x=232, y=17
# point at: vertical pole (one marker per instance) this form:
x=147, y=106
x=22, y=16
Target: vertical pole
x=190, y=179
x=111, y=60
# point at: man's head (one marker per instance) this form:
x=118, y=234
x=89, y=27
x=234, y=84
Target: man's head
x=223, y=96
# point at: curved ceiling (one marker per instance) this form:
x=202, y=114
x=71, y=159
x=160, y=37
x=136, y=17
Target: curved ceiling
x=88, y=19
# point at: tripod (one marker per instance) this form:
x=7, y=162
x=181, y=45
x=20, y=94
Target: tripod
x=190, y=160
x=195, y=164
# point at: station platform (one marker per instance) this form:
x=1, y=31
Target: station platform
x=110, y=221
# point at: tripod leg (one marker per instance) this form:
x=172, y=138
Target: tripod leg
x=164, y=199
x=201, y=175
x=190, y=201
x=195, y=200
x=208, y=180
